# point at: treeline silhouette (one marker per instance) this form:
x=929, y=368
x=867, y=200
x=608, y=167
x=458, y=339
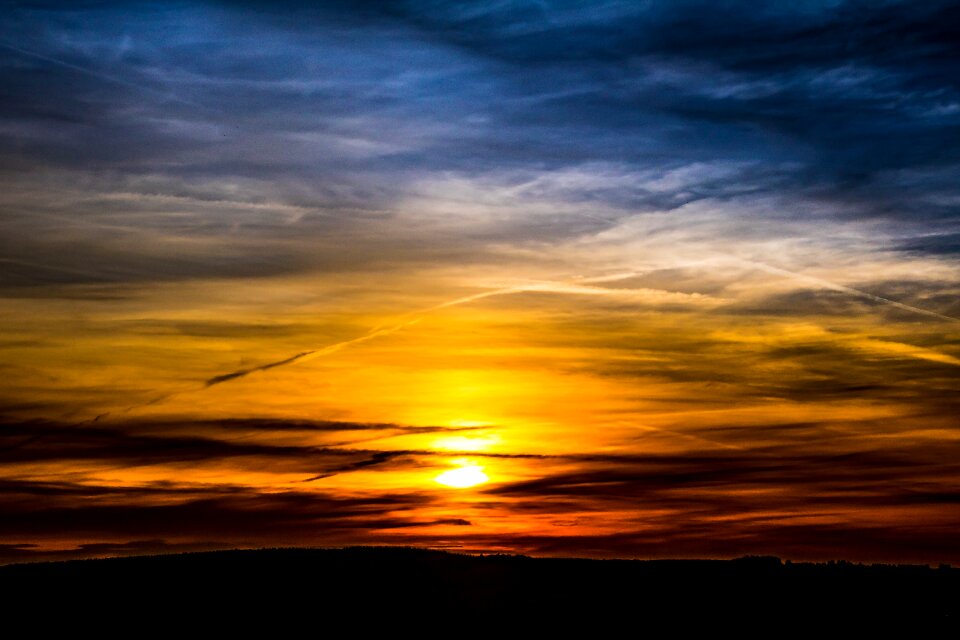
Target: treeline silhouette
x=374, y=585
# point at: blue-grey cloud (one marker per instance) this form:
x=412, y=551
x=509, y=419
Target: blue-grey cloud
x=296, y=121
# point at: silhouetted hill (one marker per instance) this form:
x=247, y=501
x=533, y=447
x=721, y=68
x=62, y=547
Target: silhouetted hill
x=376, y=585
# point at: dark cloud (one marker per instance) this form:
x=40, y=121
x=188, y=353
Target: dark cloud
x=206, y=513
x=776, y=502
x=131, y=444
x=660, y=481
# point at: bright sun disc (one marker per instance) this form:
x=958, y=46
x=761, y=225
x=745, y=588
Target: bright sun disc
x=463, y=477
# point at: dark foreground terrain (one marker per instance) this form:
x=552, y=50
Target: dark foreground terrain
x=409, y=588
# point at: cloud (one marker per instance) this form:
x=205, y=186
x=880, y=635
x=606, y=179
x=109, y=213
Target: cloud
x=826, y=284
x=243, y=443
x=213, y=513
x=270, y=150
x=710, y=502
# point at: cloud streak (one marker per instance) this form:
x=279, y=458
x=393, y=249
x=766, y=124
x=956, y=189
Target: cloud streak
x=820, y=282
x=572, y=288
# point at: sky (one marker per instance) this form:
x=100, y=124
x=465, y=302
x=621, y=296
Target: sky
x=613, y=279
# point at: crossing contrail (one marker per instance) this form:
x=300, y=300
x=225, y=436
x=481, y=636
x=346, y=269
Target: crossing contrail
x=101, y=75
x=827, y=284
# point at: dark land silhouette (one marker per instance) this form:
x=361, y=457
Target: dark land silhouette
x=373, y=585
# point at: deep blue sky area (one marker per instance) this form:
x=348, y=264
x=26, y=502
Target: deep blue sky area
x=851, y=106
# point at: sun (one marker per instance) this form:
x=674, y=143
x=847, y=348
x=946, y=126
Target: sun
x=464, y=476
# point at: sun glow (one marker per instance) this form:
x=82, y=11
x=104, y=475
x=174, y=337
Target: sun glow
x=465, y=443
x=464, y=476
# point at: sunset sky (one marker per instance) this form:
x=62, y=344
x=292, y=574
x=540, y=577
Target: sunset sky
x=636, y=279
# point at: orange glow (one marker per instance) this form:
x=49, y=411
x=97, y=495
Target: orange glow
x=538, y=416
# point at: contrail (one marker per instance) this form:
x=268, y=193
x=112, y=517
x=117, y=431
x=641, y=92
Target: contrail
x=821, y=282
x=333, y=348
x=554, y=287
x=416, y=316
x=306, y=355
x=577, y=286
x=373, y=333
x=826, y=284
x=376, y=332
x=103, y=76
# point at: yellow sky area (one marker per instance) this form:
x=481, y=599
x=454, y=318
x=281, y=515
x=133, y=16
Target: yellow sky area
x=548, y=361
